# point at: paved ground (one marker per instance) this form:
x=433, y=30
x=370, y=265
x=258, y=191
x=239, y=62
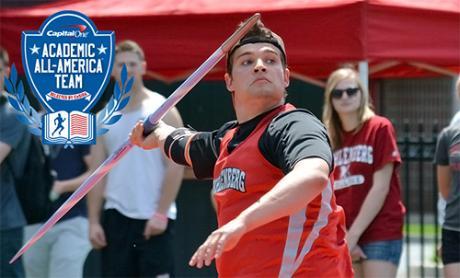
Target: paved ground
x=415, y=260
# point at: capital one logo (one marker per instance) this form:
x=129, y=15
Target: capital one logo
x=68, y=63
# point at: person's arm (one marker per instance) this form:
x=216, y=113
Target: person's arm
x=444, y=174
x=95, y=198
x=70, y=185
x=11, y=132
x=188, y=173
x=213, y=200
x=5, y=149
x=172, y=180
x=372, y=204
x=444, y=180
x=196, y=150
x=156, y=139
x=292, y=193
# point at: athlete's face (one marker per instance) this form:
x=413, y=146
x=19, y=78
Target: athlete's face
x=350, y=98
x=258, y=73
x=135, y=66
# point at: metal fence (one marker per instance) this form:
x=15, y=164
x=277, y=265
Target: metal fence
x=417, y=143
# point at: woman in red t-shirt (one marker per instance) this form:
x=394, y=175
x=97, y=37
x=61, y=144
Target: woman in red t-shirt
x=367, y=186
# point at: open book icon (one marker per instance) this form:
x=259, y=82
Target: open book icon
x=73, y=127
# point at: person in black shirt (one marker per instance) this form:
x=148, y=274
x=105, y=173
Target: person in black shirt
x=14, y=146
x=270, y=171
x=50, y=256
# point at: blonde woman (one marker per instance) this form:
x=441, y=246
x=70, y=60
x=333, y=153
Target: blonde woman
x=366, y=175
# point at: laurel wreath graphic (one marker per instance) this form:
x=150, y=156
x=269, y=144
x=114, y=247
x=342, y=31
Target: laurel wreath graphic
x=111, y=113
x=30, y=117
x=18, y=100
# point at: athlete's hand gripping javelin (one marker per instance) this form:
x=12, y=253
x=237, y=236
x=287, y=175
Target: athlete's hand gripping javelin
x=155, y=139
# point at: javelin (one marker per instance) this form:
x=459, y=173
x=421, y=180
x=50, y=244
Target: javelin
x=149, y=125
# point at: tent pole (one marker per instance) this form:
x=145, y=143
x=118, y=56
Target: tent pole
x=455, y=97
x=363, y=68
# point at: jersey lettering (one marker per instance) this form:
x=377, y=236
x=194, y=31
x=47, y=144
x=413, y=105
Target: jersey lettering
x=347, y=155
x=358, y=153
x=230, y=178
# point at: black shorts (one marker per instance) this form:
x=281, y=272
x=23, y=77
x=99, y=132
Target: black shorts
x=450, y=246
x=129, y=254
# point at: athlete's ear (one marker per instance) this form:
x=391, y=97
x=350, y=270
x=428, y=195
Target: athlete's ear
x=228, y=82
x=286, y=76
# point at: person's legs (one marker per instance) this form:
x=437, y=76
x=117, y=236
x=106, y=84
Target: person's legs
x=452, y=270
x=10, y=243
x=118, y=257
x=156, y=254
x=375, y=268
x=382, y=258
x=70, y=249
x=451, y=253
x=36, y=259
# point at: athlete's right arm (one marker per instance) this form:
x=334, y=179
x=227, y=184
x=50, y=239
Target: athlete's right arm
x=95, y=197
x=183, y=146
x=156, y=139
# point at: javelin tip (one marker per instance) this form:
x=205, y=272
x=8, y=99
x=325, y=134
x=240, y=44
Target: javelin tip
x=15, y=258
x=240, y=32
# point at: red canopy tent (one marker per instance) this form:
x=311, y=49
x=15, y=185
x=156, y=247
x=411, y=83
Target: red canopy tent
x=177, y=35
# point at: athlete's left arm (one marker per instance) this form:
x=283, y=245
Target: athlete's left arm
x=171, y=183
x=292, y=193
x=372, y=204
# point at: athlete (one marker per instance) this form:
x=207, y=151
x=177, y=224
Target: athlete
x=271, y=174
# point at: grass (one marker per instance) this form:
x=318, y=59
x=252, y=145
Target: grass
x=428, y=230
x=428, y=233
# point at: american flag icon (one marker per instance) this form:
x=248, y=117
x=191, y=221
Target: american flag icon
x=78, y=125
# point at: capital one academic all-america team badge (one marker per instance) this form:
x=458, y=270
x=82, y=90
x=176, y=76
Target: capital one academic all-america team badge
x=68, y=64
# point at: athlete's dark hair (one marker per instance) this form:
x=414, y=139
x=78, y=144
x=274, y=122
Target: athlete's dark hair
x=258, y=33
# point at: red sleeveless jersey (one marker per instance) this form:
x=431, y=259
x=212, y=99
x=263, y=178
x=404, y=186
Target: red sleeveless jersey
x=309, y=243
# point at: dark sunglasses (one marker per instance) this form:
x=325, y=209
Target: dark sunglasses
x=338, y=93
